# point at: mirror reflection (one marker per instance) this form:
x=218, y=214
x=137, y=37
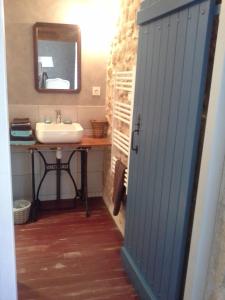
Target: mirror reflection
x=57, y=57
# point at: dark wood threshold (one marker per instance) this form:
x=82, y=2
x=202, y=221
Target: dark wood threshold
x=67, y=204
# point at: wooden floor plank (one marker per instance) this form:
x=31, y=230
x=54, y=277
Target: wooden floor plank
x=65, y=255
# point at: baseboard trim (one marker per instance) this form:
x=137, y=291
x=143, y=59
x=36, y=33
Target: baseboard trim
x=120, y=225
x=136, y=278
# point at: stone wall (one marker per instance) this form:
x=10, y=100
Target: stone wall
x=122, y=58
x=215, y=289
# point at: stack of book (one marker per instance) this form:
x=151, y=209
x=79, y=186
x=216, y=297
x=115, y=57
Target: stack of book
x=21, y=132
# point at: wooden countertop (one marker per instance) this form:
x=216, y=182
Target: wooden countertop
x=87, y=142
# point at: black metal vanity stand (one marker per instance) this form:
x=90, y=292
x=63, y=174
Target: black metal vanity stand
x=58, y=167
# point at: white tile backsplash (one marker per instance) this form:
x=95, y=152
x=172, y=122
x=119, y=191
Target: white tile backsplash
x=67, y=187
x=87, y=113
x=21, y=163
x=22, y=187
x=23, y=111
x=75, y=113
x=95, y=182
x=69, y=112
x=95, y=160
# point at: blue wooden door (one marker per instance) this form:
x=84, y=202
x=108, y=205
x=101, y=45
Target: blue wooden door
x=170, y=81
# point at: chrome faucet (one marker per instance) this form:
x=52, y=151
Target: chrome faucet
x=58, y=116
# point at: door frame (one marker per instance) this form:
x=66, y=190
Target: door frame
x=211, y=171
x=8, y=286
x=208, y=188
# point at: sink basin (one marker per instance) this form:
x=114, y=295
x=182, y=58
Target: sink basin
x=59, y=133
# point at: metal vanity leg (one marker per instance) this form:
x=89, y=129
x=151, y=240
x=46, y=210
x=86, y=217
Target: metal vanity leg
x=34, y=205
x=58, y=180
x=77, y=192
x=58, y=173
x=84, y=190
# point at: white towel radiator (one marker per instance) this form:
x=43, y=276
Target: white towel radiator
x=123, y=99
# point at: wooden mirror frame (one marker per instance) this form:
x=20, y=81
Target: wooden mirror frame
x=75, y=30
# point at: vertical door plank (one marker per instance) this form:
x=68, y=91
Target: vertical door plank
x=147, y=129
x=191, y=137
x=143, y=140
x=139, y=91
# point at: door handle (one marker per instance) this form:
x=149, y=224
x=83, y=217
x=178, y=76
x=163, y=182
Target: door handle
x=135, y=148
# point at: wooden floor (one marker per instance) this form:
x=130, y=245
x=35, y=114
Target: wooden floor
x=65, y=255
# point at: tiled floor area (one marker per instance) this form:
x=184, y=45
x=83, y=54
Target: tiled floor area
x=65, y=255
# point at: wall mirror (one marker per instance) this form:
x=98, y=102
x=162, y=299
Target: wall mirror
x=57, y=58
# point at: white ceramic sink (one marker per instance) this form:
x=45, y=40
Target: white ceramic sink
x=59, y=133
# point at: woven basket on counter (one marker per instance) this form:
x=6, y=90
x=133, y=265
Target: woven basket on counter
x=21, y=211
x=99, y=128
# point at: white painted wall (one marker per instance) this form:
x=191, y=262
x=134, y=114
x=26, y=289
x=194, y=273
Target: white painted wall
x=8, y=289
x=210, y=176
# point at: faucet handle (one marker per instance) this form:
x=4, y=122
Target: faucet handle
x=58, y=116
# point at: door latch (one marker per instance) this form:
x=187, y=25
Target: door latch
x=136, y=131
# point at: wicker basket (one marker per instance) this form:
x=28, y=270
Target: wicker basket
x=21, y=211
x=99, y=128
